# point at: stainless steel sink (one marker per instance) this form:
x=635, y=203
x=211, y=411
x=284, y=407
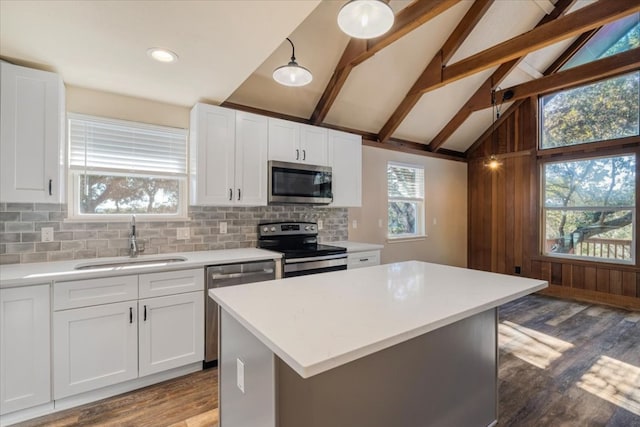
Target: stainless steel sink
x=128, y=263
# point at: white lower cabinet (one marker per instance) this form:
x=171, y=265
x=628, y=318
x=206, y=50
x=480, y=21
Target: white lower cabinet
x=25, y=368
x=94, y=347
x=103, y=344
x=170, y=331
x=362, y=259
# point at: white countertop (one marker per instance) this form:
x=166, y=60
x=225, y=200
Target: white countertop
x=356, y=246
x=318, y=322
x=14, y=275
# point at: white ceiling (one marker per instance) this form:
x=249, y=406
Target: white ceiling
x=228, y=50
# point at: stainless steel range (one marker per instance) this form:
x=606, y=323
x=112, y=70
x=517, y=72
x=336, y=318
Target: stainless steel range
x=302, y=254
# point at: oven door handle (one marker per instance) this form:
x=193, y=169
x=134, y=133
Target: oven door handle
x=314, y=258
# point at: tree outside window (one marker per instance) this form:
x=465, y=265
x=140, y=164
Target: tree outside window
x=589, y=208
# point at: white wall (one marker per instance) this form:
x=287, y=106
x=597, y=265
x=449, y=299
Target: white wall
x=122, y=107
x=445, y=203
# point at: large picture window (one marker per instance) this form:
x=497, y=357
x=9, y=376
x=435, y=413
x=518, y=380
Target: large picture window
x=589, y=208
x=119, y=168
x=405, y=189
x=600, y=111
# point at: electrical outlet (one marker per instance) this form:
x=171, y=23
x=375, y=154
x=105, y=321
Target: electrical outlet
x=320, y=224
x=223, y=228
x=183, y=233
x=47, y=234
x=435, y=221
x=354, y=223
x=379, y=223
x=240, y=374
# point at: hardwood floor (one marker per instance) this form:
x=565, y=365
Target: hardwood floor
x=562, y=363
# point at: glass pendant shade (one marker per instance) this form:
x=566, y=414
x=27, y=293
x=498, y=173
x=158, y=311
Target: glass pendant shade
x=292, y=75
x=365, y=19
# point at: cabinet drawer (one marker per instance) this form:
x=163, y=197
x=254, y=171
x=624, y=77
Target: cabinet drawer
x=363, y=259
x=171, y=282
x=83, y=293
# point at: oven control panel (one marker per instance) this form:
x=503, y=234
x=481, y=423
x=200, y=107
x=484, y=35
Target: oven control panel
x=288, y=229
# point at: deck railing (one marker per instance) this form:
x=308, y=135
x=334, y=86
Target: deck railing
x=605, y=248
x=599, y=248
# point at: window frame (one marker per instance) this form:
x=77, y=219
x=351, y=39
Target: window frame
x=74, y=175
x=421, y=231
x=582, y=156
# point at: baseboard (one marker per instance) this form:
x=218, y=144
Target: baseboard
x=584, y=295
x=26, y=414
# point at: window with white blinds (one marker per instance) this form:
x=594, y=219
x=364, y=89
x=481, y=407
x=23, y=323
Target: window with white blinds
x=101, y=144
x=405, y=190
x=122, y=168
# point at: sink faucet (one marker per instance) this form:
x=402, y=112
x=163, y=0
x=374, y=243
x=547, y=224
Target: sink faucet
x=133, y=243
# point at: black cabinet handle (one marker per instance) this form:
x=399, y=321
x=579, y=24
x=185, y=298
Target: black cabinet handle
x=297, y=154
x=145, y=313
x=230, y=194
x=364, y=259
x=130, y=314
x=304, y=154
x=239, y=194
x=51, y=187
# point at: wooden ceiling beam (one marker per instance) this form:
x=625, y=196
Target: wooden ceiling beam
x=434, y=69
x=494, y=80
x=358, y=50
x=553, y=68
x=582, y=74
x=585, y=19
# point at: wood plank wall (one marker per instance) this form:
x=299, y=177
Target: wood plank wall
x=504, y=220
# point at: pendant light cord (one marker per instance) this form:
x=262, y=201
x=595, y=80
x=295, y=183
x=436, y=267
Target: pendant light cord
x=293, y=50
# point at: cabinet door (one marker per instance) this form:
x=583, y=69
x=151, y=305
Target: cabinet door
x=284, y=141
x=31, y=135
x=25, y=353
x=251, y=159
x=345, y=152
x=171, y=331
x=94, y=347
x=313, y=145
x=212, y=142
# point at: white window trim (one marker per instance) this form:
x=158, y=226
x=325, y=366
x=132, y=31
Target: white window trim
x=74, y=174
x=420, y=218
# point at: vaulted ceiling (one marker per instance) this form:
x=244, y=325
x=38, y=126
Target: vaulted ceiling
x=427, y=84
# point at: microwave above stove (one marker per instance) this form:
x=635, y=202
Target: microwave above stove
x=299, y=183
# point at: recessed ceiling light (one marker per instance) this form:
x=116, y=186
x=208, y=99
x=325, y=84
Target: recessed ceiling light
x=162, y=55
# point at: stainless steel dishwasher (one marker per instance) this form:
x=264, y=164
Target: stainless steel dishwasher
x=230, y=275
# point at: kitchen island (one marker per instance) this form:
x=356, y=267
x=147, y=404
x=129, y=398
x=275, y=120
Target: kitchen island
x=407, y=344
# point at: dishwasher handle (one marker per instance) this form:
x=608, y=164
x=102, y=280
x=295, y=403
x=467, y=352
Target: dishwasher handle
x=236, y=275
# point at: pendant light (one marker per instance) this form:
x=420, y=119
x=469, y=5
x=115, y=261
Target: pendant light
x=292, y=74
x=494, y=163
x=365, y=19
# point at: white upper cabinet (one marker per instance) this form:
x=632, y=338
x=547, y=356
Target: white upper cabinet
x=297, y=142
x=251, y=159
x=345, y=156
x=32, y=111
x=228, y=157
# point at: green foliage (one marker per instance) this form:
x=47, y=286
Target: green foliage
x=608, y=109
x=108, y=194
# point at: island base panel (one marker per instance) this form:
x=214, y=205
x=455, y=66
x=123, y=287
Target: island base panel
x=446, y=377
x=255, y=406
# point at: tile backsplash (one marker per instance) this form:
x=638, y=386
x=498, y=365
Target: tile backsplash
x=21, y=225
